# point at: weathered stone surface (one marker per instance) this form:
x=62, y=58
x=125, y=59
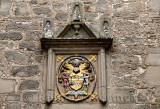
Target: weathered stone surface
x=117, y=6
x=62, y=16
x=42, y=2
x=123, y=58
x=31, y=97
x=42, y=10
x=90, y=17
x=13, y=98
x=27, y=106
x=143, y=95
x=101, y=6
x=153, y=59
x=124, y=69
x=121, y=96
x=153, y=50
x=131, y=26
x=25, y=71
x=154, y=106
x=59, y=7
x=152, y=76
x=30, y=36
x=122, y=106
x=33, y=2
x=30, y=46
x=11, y=36
x=154, y=5
x=1, y=99
x=7, y=85
x=17, y=57
x=29, y=85
x=156, y=91
x=2, y=69
x=132, y=62
x=78, y=106
x=143, y=106
x=14, y=106
x=5, y=6
x=39, y=59
x=23, y=26
x=20, y=18
x=22, y=9
x=157, y=100
x=125, y=14
x=126, y=80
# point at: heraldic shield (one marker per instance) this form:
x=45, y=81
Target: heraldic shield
x=76, y=78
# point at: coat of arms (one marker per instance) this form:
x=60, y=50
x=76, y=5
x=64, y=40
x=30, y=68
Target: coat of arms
x=76, y=78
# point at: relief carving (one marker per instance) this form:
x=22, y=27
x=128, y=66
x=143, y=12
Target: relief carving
x=76, y=78
x=47, y=31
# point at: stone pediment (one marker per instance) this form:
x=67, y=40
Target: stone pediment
x=75, y=34
x=76, y=30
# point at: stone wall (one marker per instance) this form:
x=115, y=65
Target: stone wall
x=133, y=63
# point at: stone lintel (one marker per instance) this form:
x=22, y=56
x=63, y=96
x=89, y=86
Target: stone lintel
x=101, y=42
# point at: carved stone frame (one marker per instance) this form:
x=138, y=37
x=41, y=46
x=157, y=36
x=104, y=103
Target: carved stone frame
x=94, y=46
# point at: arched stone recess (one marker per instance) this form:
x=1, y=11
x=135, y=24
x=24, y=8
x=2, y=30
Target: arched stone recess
x=84, y=52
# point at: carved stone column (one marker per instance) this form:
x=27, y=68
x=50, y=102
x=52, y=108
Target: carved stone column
x=102, y=75
x=50, y=76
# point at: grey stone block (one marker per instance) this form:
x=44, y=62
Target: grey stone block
x=14, y=106
x=31, y=97
x=42, y=10
x=152, y=75
x=101, y=6
x=121, y=95
x=62, y=16
x=154, y=5
x=117, y=6
x=25, y=71
x=143, y=96
x=153, y=59
x=11, y=36
x=153, y=50
x=27, y=106
x=29, y=85
x=30, y=36
x=156, y=91
x=59, y=7
x=7, y=85
x=22, y=26
x=13, y=98
x=22, y=9
x=5, y=6
x=90, y=16
x=122, y=106
x=124, y=58
x=78, y=106
x=17, y=57
x=143, y=106
x=33, y=2
x=30, y=46
x=154, y=106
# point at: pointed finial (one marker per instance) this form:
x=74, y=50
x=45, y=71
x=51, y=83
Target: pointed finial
x=76, y=13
